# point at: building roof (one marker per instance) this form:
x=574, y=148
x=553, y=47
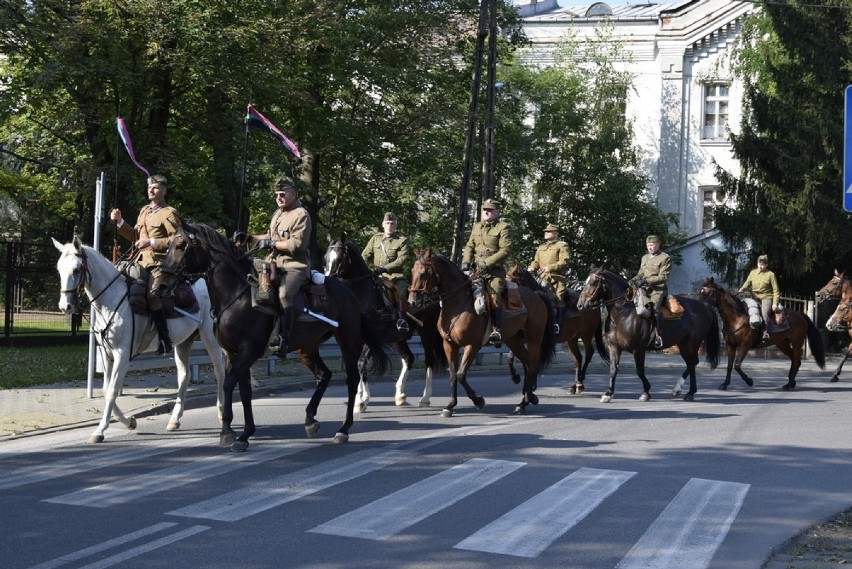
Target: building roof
x=549, y=11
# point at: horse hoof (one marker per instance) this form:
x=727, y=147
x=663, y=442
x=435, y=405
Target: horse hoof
x=834, y=378
x=644, y=397
x=689, y=397
x=340, y=438
x=519, y=410
x=676, y=393
x=132, y=424
x=479, y=402
x=516, y=379
x=94, y=439
x=749, y=382
x=173, y=426
x=312, y=430
x=400, y=400
x=239, y=446
x=723, y=387
x=360, y=408
x=425, y=403
x=447, y=413
x=227, y=439
x=788, y=387
x=533, y=399
x=606, y=399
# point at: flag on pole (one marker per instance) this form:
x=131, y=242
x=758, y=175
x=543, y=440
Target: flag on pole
x=128, y=144
x=255, y=119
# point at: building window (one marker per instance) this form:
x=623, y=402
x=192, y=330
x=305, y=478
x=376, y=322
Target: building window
x=713, y=196
x=716, y=99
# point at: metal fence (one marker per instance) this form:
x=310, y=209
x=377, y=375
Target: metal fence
x=29, y=289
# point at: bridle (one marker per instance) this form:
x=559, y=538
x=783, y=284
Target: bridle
x=426, y=290
x=84, y=277
x=600, y=291
x=834, y=290
x=843, y=321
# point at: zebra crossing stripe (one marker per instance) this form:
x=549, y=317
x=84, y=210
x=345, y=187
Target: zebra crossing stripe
x=530, y=528
x=263, y=496
x=128, y=489
x=690, y=529
x=394, y=513
x=88, y=462
x=120, y=558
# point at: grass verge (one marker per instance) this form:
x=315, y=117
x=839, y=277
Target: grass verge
x=25, y=367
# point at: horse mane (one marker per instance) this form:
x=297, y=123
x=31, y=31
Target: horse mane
x=354, y=254
x=522, y=276
x=218, y=241
x=442, y=259
x=729, y=299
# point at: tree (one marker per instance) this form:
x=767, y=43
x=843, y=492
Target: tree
x=794, y=60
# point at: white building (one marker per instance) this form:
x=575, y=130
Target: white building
x=685, y=99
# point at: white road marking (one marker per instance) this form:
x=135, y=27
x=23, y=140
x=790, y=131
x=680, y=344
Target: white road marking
x=128, y=489
x=396, y=512
x=530, y=528
x=688, y=532
x=119, y=558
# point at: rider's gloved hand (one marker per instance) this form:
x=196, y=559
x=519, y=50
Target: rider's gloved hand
x=641, y=282
x=239, y=237
x=264, y=244
x=465, y=267
x=379, y=271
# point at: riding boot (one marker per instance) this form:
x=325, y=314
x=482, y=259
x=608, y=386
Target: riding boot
x=496, y=338
x=281, y=343
x=655, y=331
x=401, y=324
x=557, y=323
x=159, y=318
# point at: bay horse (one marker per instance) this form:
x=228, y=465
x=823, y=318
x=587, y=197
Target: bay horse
x=840, y=287
x=244, y=332
x=343, y=260
x=576, y=325
x=631, y=332
x=740, y=337
x=121, y=334
x=528, y=333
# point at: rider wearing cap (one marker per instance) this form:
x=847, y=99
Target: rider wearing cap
x=654, y=270
x=764, y=287
x=487, y=248
x=155, y=226
x=388, y=252
x=550, y=263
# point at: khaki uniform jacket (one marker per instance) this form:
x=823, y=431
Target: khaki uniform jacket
x=490, y=243
x=157, y=223
x=390, y=253
x=555, y=256
x=655, y=269
x=763, y=285
x=293, y=226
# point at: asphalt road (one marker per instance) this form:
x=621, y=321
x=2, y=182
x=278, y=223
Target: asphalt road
x=715, y=483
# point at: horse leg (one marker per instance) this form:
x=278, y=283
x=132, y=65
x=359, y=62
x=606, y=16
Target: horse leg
x=426, y=400
x=678, y=388
x=181, y=360
x=453, y=362
x=313, y=362
x=614, y=358
x=352, y=380
x=227, y=436
x=467, y=359
x=732, y=355
x=529, y=357
x=113, y=379
x=639, y=358
x=741, y=354
x=579, y=365
x=513, y=373
x=691, y=363
x=795, y=355
x=217, y=358
x=399, y=397
x=244, y=383
x=836, y=376
x=362, y=396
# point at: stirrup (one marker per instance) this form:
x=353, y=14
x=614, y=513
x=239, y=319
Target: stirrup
x=278, y=347
x=495, y=339
x=402, y=325
x=658, y=342
x=556, y=328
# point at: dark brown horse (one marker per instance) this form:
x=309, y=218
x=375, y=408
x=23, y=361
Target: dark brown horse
x=740, y=337
x=632, y=332
x=576, y=325
x=344, y=261
x=839, y=287
x=528, y=333
x=244, y=332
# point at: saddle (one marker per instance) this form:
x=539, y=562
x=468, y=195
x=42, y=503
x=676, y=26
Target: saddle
x=778, y=321
x=672, y=309
x=264, y=282
x=136, y=278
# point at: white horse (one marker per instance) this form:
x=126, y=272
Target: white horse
x=121, y=334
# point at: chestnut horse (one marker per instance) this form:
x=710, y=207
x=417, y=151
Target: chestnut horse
x=631, y=332
x=740, y=337
x=840, y=287
x=576, y=325
x=528, y=333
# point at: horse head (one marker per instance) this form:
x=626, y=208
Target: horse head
x=521, y=276
x=187, y=254
x=343, y=259
x=710, y=292
x=841, y=319
x=602, y=287
x=73, y=268
x=836, y=287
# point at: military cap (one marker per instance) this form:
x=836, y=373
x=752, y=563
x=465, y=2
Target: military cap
x=763, y=259
x=652, y=239
x=283, y=183
x=551, y=227
x=390, y=216
x=157, y=179
x=491, y=203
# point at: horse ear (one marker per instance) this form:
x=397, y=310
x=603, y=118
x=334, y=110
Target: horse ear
x=416, y=251
x=57, y=244
x=77, y=243
x=343, y=237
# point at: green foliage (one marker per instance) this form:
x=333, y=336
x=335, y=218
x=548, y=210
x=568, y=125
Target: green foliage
x=794, y=59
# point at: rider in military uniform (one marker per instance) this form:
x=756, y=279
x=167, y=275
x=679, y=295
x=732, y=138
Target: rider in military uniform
x=764, y=287
x=489, y=244
x=653, y=273
x=155, y=226
x=289, y=237
x=388, y=252
x=550, y=263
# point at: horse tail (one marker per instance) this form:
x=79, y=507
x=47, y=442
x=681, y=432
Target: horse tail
x=712, y=343
x=815, y=343
x=548, y=342
x=372, y=334
x=599, y=343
